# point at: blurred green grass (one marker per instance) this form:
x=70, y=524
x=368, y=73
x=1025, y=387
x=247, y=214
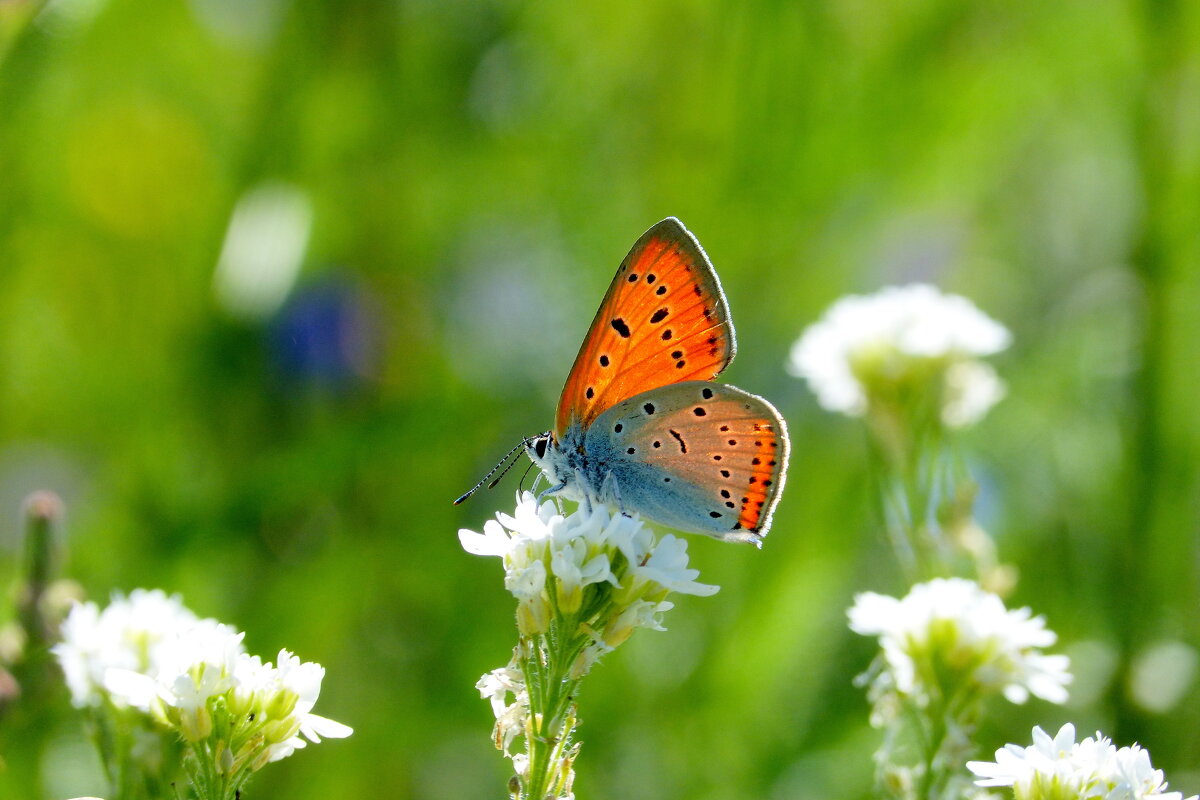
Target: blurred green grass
x=476, y=171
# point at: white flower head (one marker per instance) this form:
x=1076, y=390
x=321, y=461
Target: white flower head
x=866, y=346
x=132, y=633
x=193, y=676
x=1060, y=767
x=968, y=634
x=578, y=550
x=589, y=578
x=195, y=665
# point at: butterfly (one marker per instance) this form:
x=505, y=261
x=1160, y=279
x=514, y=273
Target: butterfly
x=641, y=427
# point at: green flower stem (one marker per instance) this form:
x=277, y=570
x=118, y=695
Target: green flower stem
x=103, y=736
x=546, y=661
x=208, y=779
x=546, y=666
x=915, y=473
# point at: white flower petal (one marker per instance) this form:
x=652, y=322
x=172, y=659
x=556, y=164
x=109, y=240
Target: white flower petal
x=314, y=727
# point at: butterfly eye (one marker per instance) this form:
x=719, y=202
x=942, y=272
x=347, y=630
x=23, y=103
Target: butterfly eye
x=539, y=447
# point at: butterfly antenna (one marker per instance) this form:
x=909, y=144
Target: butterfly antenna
x=492, y=472
x=524, y=475
x=499, y=477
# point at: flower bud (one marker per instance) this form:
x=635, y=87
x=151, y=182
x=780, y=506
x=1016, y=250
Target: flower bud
x=281, y=705
x=224, y=759
x=570, y=597
x=533, y=616
x=195, y=724
x=281, y=730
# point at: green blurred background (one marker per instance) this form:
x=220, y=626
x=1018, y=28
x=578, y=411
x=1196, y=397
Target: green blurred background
x=458, y=181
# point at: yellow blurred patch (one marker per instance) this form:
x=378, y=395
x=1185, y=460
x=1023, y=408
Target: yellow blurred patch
x=139, y=169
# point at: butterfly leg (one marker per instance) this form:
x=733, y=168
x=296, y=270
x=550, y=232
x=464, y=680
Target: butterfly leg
x=587, y=496
x=610, y=491
x=555, y=489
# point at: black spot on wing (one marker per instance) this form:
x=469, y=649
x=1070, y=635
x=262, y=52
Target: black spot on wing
x=678, y=438
x=620, y=327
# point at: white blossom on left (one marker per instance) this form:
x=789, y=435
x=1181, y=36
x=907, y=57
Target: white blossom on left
x=193, y=677
x=134, y=632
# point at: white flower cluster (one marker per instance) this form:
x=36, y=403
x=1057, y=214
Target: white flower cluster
x=1060, y=768
x=878, y=347
x=572, y=565
x=148, y=652
x=949, y=630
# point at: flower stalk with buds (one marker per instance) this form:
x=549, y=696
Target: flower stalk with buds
x=908, y=361
x=584, y=582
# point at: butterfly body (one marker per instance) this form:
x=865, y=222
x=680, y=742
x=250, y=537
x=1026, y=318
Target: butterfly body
x=641, y=427
x=667, y=471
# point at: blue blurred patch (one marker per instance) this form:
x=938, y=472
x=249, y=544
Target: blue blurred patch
x=325, y=336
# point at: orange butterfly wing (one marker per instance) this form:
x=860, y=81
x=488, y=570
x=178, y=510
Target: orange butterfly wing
x=663, y=320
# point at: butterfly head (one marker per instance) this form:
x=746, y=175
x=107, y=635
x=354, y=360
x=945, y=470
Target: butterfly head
x=560, y=461
x=539, y=449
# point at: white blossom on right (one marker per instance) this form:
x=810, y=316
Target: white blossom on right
x=1060, y=768
x=898, y=344
x=949, y=635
